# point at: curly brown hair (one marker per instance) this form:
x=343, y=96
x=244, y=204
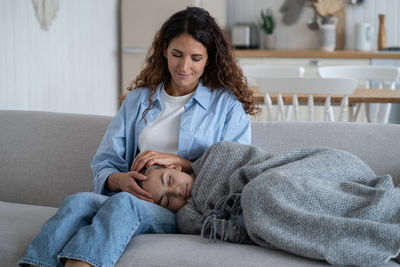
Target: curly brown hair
x=221, y=70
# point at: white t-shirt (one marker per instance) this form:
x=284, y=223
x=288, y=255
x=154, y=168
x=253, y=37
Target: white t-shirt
x=162, y=134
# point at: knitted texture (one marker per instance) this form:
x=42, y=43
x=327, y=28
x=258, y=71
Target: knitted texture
x=218, y=174
x=315, y=202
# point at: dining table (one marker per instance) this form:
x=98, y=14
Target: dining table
x=360, y=95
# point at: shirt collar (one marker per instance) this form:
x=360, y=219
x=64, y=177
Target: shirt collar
x=202, y=94
x=157, y=94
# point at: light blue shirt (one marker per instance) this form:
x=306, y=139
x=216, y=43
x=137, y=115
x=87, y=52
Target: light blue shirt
x=210, y=116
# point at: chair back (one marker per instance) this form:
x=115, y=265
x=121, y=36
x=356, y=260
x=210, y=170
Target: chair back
x=294, y=86
x=263, y=70
x=251, y=71
x=272, y=71
x=379, y=77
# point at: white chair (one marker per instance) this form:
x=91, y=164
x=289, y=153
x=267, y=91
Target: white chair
x=262, y=70
x=308, y=86
x=365, y=76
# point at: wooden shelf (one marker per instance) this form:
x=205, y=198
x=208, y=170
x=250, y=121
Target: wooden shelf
x=346, y=54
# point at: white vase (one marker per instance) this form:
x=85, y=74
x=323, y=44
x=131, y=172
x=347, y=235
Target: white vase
x=269, y=41
x=328, y=35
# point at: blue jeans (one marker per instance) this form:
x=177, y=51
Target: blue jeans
x=96, y=229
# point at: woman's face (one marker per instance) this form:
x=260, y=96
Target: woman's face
x=169, y=187
x=187, y=59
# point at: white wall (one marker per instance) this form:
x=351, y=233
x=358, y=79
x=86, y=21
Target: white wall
x=72, y=67
x=298, y=36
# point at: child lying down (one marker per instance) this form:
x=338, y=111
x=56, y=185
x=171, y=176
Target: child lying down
x=318, y=202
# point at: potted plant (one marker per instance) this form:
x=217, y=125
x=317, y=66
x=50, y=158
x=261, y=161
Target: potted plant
x=267, y=25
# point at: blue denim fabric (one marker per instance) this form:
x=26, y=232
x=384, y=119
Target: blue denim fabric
x=96, y=229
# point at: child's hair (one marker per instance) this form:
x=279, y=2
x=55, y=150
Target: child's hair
x=139, y=182
x=144, y=171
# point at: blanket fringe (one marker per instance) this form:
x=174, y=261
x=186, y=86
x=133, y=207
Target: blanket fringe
x=225, y=208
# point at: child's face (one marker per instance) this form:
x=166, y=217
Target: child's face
x=169, y=187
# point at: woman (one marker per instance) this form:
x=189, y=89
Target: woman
x=189, y=95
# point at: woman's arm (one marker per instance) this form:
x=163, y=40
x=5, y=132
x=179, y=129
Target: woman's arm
x=109, y=157
x=237, y=127
x=126, y=182
x=110, y=167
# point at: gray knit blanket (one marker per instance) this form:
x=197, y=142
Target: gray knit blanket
x=317, y=202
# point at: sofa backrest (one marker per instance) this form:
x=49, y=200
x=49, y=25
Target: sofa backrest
x=46, y=156
x=376, y=144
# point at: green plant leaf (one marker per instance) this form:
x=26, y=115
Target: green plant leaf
x=267, y=23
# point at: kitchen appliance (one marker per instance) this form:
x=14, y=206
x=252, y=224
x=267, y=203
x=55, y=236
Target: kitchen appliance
x=245, y=36
x=364, y=36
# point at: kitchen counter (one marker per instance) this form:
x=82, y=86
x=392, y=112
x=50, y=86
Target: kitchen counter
x=345, y=54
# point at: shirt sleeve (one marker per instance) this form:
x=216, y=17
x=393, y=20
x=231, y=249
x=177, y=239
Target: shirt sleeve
x=110, y=155
x=237, y=126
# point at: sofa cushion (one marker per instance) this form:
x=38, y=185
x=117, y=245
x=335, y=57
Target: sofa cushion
x=19, y=225
x=169, y=250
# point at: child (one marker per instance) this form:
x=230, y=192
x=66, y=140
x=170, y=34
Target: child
x=170, y=187
x=317, y=202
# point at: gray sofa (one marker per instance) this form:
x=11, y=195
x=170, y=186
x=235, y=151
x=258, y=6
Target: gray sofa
x=45, y=156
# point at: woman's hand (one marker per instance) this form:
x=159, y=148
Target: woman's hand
x=150, y=157
x=126, y=182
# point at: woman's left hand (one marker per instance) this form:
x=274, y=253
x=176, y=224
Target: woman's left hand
x=150, y=157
